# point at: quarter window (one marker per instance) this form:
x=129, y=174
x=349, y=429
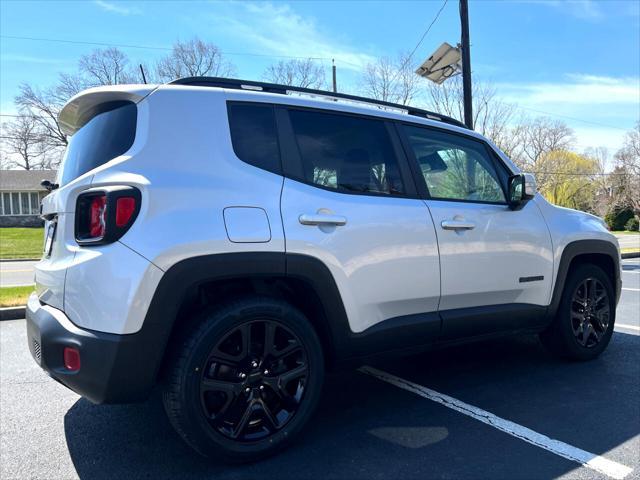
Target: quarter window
x=456, y=168
x=345, y=153
x=254, y=135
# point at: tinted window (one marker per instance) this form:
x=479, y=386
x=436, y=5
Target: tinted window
x=346, y=153
x=105, y=137
x=455, y=167
x=254, y=135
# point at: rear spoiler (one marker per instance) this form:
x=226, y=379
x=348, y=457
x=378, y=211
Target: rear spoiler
x=86, y=104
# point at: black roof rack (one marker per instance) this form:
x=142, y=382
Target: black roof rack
x=284, y=89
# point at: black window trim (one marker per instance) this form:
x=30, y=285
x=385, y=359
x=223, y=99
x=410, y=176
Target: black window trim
x=277, y=171
x=421, y=182
x=292, y=159
x=412, y=178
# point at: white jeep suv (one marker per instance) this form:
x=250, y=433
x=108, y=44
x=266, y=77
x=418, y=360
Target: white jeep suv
x=230, y=240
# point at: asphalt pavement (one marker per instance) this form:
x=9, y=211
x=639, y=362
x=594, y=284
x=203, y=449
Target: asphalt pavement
x=16, y=273
x=499, y=409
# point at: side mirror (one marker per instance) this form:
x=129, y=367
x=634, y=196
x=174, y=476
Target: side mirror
x=522, y=188
x=48, y=185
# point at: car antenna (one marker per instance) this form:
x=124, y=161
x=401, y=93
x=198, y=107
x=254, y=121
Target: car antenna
x=144, y=79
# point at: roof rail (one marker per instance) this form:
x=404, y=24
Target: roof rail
x=286, y=89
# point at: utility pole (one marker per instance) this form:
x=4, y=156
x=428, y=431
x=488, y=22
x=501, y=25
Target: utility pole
x=466, y=64
x=333, y=69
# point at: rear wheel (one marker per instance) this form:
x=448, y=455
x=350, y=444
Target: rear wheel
x=584, y=322
x=245, y=380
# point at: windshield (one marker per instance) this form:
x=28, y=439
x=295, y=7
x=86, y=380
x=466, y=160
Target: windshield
x=105, y=137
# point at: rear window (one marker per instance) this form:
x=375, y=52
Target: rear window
x=105, y=137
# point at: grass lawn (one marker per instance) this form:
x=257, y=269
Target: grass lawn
x=624, y=232
x=14, y=296
x=21, y=243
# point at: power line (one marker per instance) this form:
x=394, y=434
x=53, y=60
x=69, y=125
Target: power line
x=80, y=42
x=586, y=174
x=404, y=64
x=166, y=49
x=568, y=117
x=151, y=47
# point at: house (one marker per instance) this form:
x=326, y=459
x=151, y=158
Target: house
x=20, y=196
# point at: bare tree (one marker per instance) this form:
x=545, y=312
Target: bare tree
x=629, y=155
x=105, y=67
x=194, y=58
x=628, y=169
x=390, y=80
x=298, y=73
x=43, y=106
x=543, y=135
x=21, y=143
x=407, y=80
x=101, y=67
x=491, y=117
x=5, y=163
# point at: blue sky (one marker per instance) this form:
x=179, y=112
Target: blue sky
x=578, y=59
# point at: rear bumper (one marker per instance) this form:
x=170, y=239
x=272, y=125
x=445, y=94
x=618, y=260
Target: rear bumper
x=113, y=369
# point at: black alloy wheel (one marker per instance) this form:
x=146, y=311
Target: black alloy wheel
x=244, y=378
x=584, y=320
x=254, y=380
x=590, y=312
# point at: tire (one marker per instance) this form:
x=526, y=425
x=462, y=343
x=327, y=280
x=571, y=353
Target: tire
x=569, y=335
x=234, y=418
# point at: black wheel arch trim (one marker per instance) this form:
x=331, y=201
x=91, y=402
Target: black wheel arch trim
x=406, y=332
x=576, y=249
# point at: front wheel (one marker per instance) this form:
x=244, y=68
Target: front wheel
x=245, y=380
x=583, y=325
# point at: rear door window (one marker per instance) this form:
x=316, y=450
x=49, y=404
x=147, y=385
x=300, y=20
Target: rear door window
x=105, y=137
x=346, y=153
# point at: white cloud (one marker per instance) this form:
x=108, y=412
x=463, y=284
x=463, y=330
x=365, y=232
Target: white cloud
x=593, y=137
x=576, y=89
x=12, y=57
x=600, y=109
x=117, y=8
x=582, y=9
x=279, y=31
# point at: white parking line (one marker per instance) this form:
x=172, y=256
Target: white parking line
x=631, y=289
x=630, y=327
x=587, y=459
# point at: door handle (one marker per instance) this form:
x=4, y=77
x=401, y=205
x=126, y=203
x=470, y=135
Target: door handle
x=322, y=219
x=457, y=225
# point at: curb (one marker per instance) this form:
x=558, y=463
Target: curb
x=12, y=313
x=20, y=259
x=630, y=255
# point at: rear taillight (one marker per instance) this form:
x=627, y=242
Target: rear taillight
x=103, y=215
x=97, y=212
x=125, y=208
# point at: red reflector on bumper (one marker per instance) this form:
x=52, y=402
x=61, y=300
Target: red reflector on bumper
x=71, y=359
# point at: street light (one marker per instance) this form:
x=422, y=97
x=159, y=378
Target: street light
x=442, y=64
